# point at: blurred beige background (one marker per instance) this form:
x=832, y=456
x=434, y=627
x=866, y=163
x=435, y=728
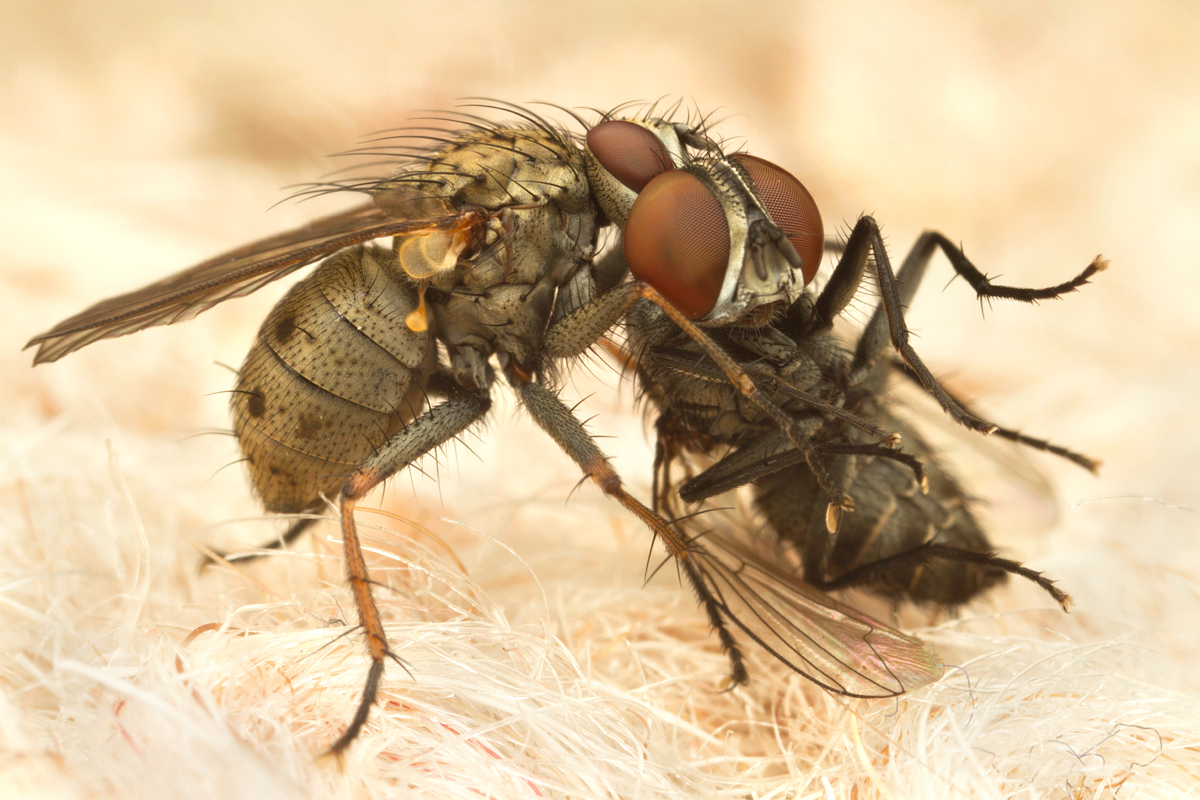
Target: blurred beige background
x=139, y=137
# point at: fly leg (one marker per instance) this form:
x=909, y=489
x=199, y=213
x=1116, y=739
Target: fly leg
x=874, y=340
x=556, y=419
x=294, y=532
x=900, y=563
x=864, y=246
x=1088, y=463
x=432, y=429
x=771, y=453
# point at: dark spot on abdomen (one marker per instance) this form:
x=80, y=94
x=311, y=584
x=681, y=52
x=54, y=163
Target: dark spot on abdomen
x=256, y=406
x=308, y=426
x=284, y=328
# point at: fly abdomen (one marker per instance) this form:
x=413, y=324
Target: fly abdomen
x=333, y=372
x=891, y=517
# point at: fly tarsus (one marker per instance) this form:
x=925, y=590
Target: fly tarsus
x=885, y=569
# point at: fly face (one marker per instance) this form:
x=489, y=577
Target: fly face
x=721, y=238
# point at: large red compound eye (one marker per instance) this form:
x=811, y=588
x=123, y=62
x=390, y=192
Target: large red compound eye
x=677, y=240
x=631, y=153
x=791, y=207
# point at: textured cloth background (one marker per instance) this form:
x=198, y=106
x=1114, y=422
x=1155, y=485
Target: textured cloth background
x=140, y=137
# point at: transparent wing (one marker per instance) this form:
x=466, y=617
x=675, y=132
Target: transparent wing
x=233, y=274
x=828, y=642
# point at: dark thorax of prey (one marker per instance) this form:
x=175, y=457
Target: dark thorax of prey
x=893, y=513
